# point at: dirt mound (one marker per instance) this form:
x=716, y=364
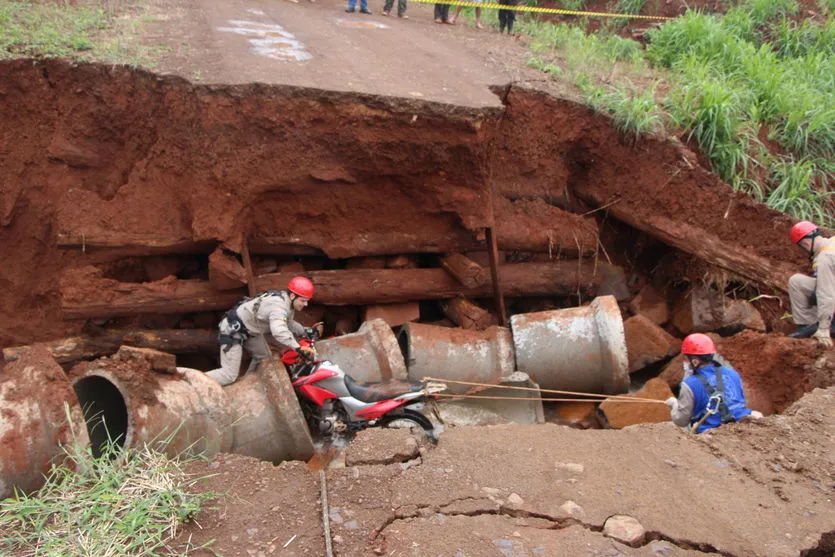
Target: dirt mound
x=781, y=368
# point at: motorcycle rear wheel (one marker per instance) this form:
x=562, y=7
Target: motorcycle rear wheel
x=410, y=418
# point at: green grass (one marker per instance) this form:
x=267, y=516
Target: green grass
x=48, y=29
x=128, y=502
x=729, y=81
x=92, y=31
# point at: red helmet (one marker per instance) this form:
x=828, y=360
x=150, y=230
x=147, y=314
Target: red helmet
x=801, y=230
x=697, y=344
x=301, y=286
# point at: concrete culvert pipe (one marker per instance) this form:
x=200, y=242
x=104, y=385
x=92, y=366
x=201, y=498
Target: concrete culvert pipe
x=370, y=354
x=577, y=349
x=457, y=354
x=129, y=401
x=38, y=415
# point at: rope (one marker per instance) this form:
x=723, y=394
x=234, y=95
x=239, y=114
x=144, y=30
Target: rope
x=632, y=400
x=542, y=10
x=621, y=398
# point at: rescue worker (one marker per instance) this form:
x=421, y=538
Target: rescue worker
x=813, y=297
x=712, y=395
x=246, y=324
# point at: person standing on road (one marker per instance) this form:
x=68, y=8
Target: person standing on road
x=442, y=13
x=246, y=324
x=401, y=8
x=712, y=395
x=507, y=17
x=813, y=297
x=352, y=7
x=478, y=24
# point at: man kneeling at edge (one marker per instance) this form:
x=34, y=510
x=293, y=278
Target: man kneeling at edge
x=813, y=297
x=713, y=395
x=246, y=324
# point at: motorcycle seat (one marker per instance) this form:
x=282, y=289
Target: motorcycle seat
x=375, y=392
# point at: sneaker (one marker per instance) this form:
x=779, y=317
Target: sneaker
x=804, y=331
x=385, y=13
x=404, y=16
x=350, y=10
x=369, y=12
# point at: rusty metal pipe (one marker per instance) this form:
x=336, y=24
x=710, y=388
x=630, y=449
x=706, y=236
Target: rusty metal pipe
x=38, y=415
x=257, y=416
x=578, y=349
x=457, y=354
x=370, y=354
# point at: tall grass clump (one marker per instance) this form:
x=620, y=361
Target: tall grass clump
x=795, y=192
x=126, y=502
x=634, y=112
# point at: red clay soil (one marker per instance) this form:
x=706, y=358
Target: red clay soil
x=777, y=366
x=100, y=155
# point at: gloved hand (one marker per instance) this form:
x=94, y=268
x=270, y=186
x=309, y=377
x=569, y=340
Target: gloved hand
x=756, y=415
x=316, y=331
x=822, y=336
x=307, y=352
x=672, y=402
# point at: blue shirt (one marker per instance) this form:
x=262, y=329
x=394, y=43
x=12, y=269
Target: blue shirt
x=733, y=396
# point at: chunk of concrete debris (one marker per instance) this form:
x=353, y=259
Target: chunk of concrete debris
x=570, y=467
x=393, y=314
x=704, y=309
x=652, y=305
x=625, y=529
x=382, y=446
x=158, y=361
x=514, y=501
x=573, y=509
x=614, y=283
x=647, y=343
x=225, y=271
x=623, y=414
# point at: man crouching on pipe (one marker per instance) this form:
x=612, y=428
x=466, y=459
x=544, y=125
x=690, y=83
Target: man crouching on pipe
x=246, y=324
x=712, y=395
x=813, y=297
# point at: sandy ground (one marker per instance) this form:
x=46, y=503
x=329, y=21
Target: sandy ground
x=748, y=489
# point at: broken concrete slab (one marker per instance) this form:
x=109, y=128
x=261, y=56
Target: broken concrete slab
x=623, y=414
x=647, y=343
x=614, y=283
x=703, y=309
x=511, y=407
x=157, y=360
x=225, y=271
x=381, y=446
x=393, y=314
x=652, y=305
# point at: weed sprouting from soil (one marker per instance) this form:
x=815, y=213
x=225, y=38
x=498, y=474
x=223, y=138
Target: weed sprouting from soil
x=126, y=502
x=730, y=81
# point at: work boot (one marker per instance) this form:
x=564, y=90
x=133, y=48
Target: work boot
x=804, y=331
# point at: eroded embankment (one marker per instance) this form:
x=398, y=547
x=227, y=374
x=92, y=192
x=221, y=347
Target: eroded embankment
x=144, y=176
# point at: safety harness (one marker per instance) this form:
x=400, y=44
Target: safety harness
x=239, y=333
x=716, y=399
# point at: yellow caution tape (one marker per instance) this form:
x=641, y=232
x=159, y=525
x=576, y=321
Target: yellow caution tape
x=541, y=10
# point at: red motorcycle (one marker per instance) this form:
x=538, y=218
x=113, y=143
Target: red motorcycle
x=334, y=403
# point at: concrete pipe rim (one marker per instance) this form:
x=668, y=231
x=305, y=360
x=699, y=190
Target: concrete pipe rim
x=103, y=401
x=613, y=349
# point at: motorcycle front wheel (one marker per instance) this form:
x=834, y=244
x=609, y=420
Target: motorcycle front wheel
x=412, y=420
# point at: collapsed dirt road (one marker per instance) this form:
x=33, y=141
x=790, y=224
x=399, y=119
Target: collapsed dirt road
x=743, y=490
x=319, y=45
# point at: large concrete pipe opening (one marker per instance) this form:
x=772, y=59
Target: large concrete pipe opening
x=105, y=412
